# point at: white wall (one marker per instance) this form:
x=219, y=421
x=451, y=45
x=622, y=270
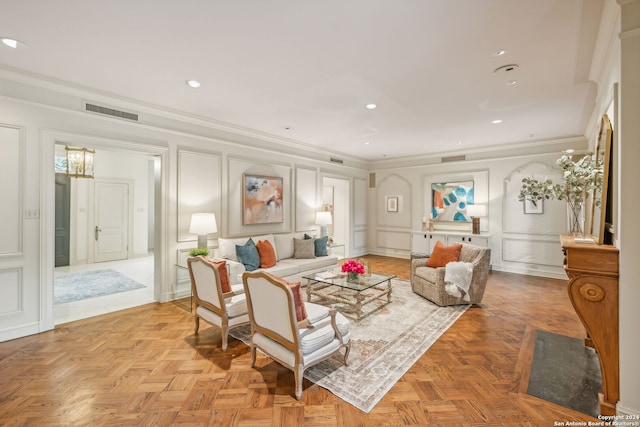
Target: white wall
x=37, y=115
x=526, y=244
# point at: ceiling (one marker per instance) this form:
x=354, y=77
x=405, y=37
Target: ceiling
x=305, y=70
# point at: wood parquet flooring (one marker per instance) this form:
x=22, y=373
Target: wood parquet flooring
x=144, y=366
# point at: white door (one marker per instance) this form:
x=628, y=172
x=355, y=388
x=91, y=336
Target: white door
x=111, y=226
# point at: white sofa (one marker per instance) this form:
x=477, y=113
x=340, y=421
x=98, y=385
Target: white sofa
x=287, y=267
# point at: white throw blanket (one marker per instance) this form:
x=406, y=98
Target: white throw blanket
x=457, y=279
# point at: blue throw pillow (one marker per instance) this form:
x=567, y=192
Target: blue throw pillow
x=320, y=245
x=248, y=255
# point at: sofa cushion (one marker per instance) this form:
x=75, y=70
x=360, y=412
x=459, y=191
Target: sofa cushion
x=267, y=254
x=284, y=244
x=282, y=269
x=441, y=254
x=248, y=255
x=311, y=263
x=320, y=244
x=303, y=249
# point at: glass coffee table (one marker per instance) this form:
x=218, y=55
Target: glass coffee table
x=333, y=287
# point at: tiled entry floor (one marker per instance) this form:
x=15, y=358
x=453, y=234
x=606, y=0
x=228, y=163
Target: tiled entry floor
x=566, y=372
x=138, y=269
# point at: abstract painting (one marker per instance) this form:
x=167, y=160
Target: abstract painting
x=262, y=200
x=449, y=201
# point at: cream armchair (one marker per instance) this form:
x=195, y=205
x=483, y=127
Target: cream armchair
x=429, y=282
x=225, y=310
x=277, y=333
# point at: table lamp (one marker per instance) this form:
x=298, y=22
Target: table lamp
x=323, y=219
x=203, y=224
x=475, y=212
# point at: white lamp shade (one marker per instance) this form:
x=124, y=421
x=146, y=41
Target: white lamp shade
x=323, y=218
x=203, y=224
x=477, y=211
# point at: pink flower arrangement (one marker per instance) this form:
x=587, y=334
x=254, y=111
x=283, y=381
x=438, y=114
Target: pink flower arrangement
x=353, y=266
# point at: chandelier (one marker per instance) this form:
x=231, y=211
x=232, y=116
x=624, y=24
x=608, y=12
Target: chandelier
x=79, y=162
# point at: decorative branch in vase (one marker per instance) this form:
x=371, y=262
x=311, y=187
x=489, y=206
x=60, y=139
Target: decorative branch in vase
x=580, y=178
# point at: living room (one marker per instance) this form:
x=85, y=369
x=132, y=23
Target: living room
x=196, y=154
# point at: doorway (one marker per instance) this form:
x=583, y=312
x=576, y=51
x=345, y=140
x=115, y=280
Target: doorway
x=339, y=190
x=109, y=231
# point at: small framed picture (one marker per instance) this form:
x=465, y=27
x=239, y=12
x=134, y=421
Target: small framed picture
x=531, y=208
x=392, y=203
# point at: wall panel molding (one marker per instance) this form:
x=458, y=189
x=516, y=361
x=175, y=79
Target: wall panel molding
x=12, y=209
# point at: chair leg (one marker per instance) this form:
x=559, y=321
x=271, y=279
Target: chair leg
x=253, y=356
x=225, y=337
x=197, y=323
x=298, y=372
x=346, y=354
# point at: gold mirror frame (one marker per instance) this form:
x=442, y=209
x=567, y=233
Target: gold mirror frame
x=603, y=153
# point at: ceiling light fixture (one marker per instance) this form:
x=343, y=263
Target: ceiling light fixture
x=497, y=121
x=371, y=106
x=511, y=82
x=193, y=83
x=499, y=52
x=367, y=143
x=12, y=43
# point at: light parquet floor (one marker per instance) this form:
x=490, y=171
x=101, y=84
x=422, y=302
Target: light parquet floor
x=144, y=366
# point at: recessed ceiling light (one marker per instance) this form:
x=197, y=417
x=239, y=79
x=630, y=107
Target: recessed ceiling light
x=497, y=121
x=511, y=82
x=371, y=106
x=193, y=83
x=287, y=128
x=12, y=43
x=367, y=143
x=499, y=52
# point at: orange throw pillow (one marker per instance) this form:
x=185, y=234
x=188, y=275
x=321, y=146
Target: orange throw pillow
x=442, y=254
x=298, y=301
x=221, y=266
x=267, y=254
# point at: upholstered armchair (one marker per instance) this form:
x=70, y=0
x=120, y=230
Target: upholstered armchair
x=218, y=303
x=277, y=332
x=430, y=282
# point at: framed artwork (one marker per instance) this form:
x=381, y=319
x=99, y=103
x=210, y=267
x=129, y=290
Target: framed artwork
x=531, y=208
x=449, y=201
x=392, y=203
x=262, y=201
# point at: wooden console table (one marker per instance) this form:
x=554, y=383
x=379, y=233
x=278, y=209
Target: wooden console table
x=593, y=290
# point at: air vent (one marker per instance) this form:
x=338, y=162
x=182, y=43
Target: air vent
x=99, y=109
x=336, y=160
x=453, y=158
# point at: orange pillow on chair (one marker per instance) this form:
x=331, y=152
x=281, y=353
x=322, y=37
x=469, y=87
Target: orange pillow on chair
x=442, y=254
x=221, y=266
x=267, y=254
x=298, y=301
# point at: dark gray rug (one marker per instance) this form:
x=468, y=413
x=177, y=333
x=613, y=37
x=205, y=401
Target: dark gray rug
x=90, y=284
x=565, y=372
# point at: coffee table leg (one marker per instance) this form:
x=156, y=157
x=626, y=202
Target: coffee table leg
x=358, y=305
x=308, y=290
x=389, y=288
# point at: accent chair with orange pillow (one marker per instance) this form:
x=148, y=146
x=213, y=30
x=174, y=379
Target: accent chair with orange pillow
x=428, y=274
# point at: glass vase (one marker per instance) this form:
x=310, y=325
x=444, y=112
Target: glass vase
x=352, y=276
x=575, y=218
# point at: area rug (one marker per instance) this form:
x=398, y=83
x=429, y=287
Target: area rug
x=384, y=345
x=565, y=372
x=89, y=284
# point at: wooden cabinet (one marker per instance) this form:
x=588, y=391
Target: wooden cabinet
x=593, y=290
x=422, y=242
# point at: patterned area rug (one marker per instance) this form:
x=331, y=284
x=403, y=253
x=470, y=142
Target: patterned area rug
x=384, y=345
x=90, y=284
